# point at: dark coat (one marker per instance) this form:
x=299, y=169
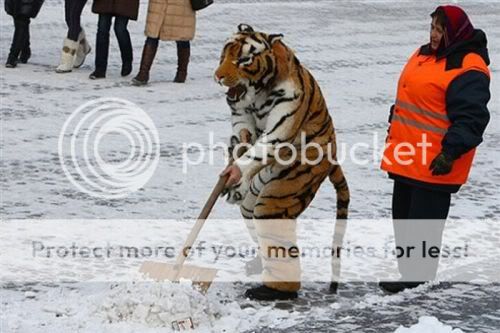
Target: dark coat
x=29, y=8
x=127, y=8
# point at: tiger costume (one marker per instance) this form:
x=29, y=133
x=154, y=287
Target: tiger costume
x=274, y=100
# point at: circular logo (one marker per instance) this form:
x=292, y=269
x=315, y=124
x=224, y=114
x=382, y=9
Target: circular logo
x=124, y=132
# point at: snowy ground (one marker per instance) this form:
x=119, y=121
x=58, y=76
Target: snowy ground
x=355, y=50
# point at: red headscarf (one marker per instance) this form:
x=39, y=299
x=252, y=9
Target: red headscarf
x=457, y=27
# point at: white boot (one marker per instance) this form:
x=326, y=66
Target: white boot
x=83, y=49
x=67, y=56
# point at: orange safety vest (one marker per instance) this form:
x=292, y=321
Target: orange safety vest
x=420, y=120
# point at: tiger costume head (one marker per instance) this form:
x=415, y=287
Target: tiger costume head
x=252, y=59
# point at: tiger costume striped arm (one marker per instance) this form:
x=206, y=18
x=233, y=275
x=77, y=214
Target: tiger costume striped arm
x=243, y=126
x=284, y=119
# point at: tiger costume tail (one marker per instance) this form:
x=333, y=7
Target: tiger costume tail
x=338, y=180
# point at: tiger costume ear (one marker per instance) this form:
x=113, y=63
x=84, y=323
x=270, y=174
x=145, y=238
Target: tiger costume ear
x=283, y=56
x=245, y=28
x=273, y=38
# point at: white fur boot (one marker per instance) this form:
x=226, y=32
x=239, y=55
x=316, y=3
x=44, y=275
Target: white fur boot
x=67, y=56
x=83, y=49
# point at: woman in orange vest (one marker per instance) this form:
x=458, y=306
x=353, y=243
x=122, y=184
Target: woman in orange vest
x=436, y=123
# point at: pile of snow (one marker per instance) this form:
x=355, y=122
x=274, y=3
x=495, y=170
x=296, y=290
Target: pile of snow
x=428, y=325
x=156, y=304
x=142, y=306
x=151, y=305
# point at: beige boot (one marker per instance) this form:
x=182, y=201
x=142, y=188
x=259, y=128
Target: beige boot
x=67, y=56
x=83, y=49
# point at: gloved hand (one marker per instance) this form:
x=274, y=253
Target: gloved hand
x=441, y=165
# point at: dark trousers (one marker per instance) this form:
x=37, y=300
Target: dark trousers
x=102, y=40
x=73, y=12
x=21, y=39
x=419, y=217
x=412, y=202
x=182, y=44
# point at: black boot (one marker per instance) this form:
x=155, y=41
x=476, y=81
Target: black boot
x=398, y=286
x=126, y=68
x=97, y=74
x=148, y=55
x=25, y=55
x=183, y=55
x=11, y=61
x=264, y=293
x=334, y=286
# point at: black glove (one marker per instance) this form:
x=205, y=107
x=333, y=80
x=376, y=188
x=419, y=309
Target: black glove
x=441, y=165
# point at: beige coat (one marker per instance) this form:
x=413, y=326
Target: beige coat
x=171, y=20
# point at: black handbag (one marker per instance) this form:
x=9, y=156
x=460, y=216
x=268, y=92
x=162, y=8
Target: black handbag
x=200, y=4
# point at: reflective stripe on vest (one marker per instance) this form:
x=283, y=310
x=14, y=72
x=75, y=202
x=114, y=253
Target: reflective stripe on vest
x=419, y=125
x=416, y=109
x=420, y=114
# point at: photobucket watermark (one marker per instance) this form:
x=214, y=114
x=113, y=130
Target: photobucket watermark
x=307, y=152
x=133, y=157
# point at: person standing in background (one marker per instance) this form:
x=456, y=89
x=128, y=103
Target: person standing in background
x=167, y=20
x=122, y=11
x=22, y=11
x=75, y=46
x=441, y=105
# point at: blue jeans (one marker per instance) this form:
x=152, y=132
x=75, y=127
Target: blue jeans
x=102, y=40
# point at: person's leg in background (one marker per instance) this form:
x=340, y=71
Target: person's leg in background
x=21, y=33
x=148, y=55
x=102, y=46
x=73, y=13
x=68, y=4
x=124, y=43
x=25, y=49
x=76, y=32
x=183, y=55
x=70, y=45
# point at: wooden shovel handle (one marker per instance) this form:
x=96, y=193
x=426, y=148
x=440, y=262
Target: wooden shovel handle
x=216, y=192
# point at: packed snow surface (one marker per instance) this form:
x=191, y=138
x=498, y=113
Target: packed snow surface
x=428, y=325
x=354, y=49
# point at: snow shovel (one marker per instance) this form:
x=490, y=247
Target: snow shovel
x=200, y=276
